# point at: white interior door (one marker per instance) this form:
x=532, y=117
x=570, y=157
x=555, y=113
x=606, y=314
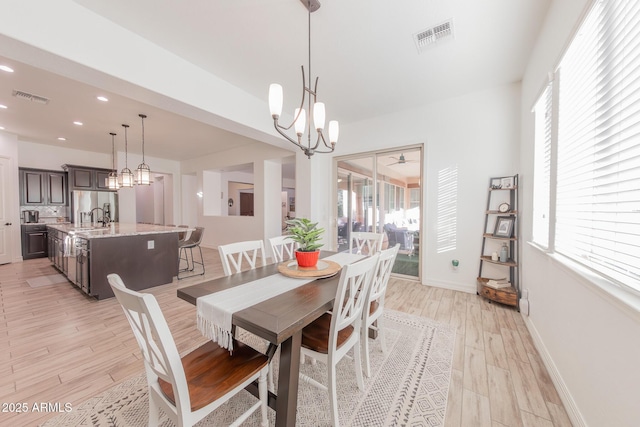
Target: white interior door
x=5, y=220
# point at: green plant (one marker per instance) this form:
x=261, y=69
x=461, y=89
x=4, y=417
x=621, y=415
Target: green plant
x=305, y=233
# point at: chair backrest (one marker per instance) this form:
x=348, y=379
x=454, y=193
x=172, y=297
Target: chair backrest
x=283, y=248
x=161, y=357
x=381, y=277
x=366, y=243
x=182, y=235
x=355, y=280
x=233, y=254
x=195, y=238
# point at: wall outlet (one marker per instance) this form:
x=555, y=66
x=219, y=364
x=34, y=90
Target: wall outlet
x=151, y=244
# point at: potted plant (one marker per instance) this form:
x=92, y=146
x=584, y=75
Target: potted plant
x=307, y=235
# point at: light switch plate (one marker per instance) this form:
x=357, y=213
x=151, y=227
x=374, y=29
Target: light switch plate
x=151, y=244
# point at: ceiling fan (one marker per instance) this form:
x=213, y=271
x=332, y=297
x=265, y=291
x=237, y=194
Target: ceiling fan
x=401, y=160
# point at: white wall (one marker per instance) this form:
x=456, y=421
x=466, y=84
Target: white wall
x=42, y=156
x=476, y=133
x=221, y=230
x=588, y=339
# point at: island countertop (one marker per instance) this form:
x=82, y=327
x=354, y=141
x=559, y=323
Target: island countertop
x=115, y=230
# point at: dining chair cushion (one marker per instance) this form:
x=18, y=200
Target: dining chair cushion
x=315, y=336
x=212, y=372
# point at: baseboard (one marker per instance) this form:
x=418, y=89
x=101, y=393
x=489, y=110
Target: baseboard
x=454, y=286
x=569, y=404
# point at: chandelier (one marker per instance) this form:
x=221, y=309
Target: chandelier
x=299, y=120
x=112, y=179
x=125, y=178
x=143, y=173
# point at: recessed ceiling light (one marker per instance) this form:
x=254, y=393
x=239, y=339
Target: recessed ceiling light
x=62, y=138
x=77, y=123
x=103, y=98
x=3, y=106
x=1, y=127
x=6, y=68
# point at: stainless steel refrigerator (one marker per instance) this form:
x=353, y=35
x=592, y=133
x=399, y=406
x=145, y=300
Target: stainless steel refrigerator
x=102, y=205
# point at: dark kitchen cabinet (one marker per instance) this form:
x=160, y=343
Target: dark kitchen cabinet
x=34, y=241
x=85, y=178
x=43, y=187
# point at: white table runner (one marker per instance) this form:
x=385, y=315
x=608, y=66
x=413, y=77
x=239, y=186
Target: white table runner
x=214, y=311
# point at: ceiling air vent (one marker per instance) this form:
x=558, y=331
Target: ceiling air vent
x=432, y=35
x=30, y=97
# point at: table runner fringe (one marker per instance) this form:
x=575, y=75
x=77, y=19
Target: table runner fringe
x=215, y=332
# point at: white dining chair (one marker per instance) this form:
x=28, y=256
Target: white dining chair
x=374, y=304
x=283, y=248
x=188, y=389
x=365, y=243
x=332, y=335
x=234, y=254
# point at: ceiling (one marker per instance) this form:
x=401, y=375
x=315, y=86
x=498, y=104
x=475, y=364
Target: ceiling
x=362, y=51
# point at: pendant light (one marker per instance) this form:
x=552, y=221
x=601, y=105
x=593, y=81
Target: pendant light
x=112, y=179
x=126, y=177
x=143, y=172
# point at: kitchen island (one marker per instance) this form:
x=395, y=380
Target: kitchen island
x=144, y=255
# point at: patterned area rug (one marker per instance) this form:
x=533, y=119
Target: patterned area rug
x=408, y=386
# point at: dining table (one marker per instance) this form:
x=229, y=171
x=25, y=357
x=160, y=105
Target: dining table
x=280, y=321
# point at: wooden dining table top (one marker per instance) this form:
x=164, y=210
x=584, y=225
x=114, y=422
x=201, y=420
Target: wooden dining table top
x=277, y=318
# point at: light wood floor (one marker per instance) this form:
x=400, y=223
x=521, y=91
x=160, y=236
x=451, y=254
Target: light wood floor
x=58, y=345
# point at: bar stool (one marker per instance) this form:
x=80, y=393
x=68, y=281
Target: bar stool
x=192, y=242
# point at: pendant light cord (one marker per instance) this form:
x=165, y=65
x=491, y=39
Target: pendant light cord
x=142, y=116
x=113, y=151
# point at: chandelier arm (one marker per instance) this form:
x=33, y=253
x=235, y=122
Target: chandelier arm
x=287, y=137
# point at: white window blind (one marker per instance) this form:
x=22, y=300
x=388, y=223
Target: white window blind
x=542, y=168
x=598, y=163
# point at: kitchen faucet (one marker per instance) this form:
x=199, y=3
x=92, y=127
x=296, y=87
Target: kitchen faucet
x=102, y=220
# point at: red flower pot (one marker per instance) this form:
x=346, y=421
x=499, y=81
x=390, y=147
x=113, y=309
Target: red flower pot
x=307, y=259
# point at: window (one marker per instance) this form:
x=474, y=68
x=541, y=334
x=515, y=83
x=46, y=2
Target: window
x=542, y=168
x=597, y=165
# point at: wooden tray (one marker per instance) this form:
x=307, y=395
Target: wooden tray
x=324, y=268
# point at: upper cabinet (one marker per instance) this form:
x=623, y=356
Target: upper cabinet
x=84, y=178
x=43, y=187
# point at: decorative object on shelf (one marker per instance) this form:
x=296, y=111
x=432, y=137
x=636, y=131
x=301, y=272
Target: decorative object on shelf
x=494, y=256
x=299, y=121
x=504, y=253
x=126, y=176
x=498, y=283
x=504, y=207
x=506, y=182
x=504, y=226
x=307, y=235
x=112, y=179
x=143, y=172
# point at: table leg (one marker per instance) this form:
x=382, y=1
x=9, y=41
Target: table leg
x=288, y=381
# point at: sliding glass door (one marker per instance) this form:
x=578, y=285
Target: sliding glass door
x=381, y=192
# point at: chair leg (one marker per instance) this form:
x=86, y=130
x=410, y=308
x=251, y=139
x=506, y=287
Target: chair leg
x=154, y=410
x=381, y=336
x=358, y=366
x=365, y=350
x=264, y=396
x=333, y=395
